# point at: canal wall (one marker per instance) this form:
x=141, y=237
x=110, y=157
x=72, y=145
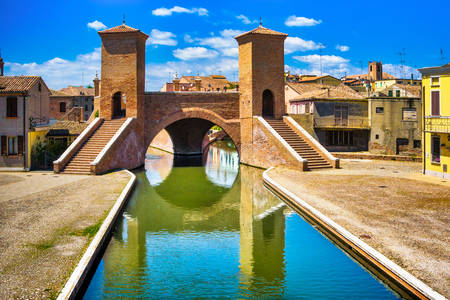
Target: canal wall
x=393, y=275
x=75, y=285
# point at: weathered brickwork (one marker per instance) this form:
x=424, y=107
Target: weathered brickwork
x=54, y=108
x=123, y=70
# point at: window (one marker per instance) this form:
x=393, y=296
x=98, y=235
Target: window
x=339, y=138
x=379, y=110
x=39, y=87
x=86, y=107
x=436, y=149
x=409, y=114
x=62, y=106
x=11, y=107
x=435, y=80
x=435, y=103
x=397, y=93
x=12, y=145
x=390, y=94
x=417, y=143
x=377, y=136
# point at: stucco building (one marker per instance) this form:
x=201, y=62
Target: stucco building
x=64, y=100
x=436, y=120
x=24, y=106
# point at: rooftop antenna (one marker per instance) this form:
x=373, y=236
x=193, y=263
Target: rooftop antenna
x=260, y=21
x=442, y=56
x=123, y=19
x=402, y=55
x=320, y=61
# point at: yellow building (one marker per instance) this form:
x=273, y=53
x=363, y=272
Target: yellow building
x=436, y=120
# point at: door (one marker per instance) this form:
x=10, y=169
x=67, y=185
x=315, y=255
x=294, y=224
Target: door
x=267, y=107
x=118, y=112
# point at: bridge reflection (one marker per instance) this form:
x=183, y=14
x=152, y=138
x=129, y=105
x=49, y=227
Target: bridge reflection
x=221, y=199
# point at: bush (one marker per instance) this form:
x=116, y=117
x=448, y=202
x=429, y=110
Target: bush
x=96, y=114
x=43, y=154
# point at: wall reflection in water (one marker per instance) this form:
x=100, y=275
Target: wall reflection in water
x=214, y=231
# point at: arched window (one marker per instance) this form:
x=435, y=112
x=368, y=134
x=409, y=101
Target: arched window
x=267, y=104
x=62, y=107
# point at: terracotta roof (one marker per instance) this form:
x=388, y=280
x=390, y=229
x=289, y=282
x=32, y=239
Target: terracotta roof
x=321, y=91
x=261, y=30
x=77, y=91
x=17, y=84
x=314, y=78
x=73, y=127
x=120, y=28
x=55, y=93
x=366, y=76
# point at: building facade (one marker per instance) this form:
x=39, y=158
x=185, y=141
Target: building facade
x=24, y=106
x=64, y=100
x=436, y=120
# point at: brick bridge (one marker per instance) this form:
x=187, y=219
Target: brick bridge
x=130, y=118
x=187, y=117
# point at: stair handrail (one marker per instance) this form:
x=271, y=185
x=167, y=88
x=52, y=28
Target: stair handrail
x=60, y=163
x=281, y=140
x=110, y=143
x=309, y=139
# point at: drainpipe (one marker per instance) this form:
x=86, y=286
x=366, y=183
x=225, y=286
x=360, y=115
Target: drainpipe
x=25, y=138
x=423, y=131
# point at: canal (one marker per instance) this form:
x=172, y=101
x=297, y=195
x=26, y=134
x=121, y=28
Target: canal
x=207, y=228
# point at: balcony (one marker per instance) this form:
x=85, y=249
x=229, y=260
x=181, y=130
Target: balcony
x=437, y=124
x=350, y=123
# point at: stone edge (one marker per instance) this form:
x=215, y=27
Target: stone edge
x=415, y=283
x=76, y=280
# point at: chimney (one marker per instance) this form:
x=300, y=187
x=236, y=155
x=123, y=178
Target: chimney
x=176, y=83
x=96, y=85
x=412, y=78
x=2, y=64
x=198, y=83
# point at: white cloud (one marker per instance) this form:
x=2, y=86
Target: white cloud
x=293, y=44
x=96, y=25
x=225, y=43
x=245, y=19
x=324, y=59
x=342, y=48
x=162, y=38
x=191, y=53
x=58, y=73
x=333, y=65
x=162, y=11
x=301, y=21
x=188, y=38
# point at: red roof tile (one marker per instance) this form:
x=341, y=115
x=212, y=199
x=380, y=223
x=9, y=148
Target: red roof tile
x=262, y=30
x=17, y=84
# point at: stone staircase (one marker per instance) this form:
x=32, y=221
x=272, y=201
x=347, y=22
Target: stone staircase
x=315, y=160
x=80, y=161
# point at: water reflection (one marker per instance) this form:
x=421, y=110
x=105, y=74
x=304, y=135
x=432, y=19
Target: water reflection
x=214, y=231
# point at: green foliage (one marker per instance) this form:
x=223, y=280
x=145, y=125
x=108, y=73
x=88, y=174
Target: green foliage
x=89, y=86
x=44, y=153
x=230, y=86
x=216, y=127
x=96, y=114
x=90, y=231
x=44, y=245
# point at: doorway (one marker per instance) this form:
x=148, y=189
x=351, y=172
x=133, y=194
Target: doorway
x=267, y=107
x=118, y=106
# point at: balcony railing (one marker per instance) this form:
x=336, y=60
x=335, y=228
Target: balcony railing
x=437, y=124
x=341, y=123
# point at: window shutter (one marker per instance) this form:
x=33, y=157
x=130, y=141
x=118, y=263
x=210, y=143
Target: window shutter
x=435, y=109
x=20, y=144
x=3, y=142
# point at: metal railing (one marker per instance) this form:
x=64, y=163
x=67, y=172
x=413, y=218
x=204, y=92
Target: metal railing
x=341, y=123
x=437, y=124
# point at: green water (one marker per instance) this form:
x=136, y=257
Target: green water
x=214, y=231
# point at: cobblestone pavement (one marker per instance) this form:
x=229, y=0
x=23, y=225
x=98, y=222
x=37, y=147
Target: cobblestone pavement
x=391, y=206
x=46, y=222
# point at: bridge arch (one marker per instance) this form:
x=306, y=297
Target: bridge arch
x=189, y=126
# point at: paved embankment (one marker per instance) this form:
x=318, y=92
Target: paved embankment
x=46, y=223
x=390, y=206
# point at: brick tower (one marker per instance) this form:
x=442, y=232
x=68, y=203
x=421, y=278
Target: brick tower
x=261, y=71
x=122, y=72
x=261, y=82
x=375, y=70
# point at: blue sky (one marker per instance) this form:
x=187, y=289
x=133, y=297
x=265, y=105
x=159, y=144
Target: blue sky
x=58, y=39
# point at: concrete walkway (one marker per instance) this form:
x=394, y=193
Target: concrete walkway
x=46, y=222
x=390, y=205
